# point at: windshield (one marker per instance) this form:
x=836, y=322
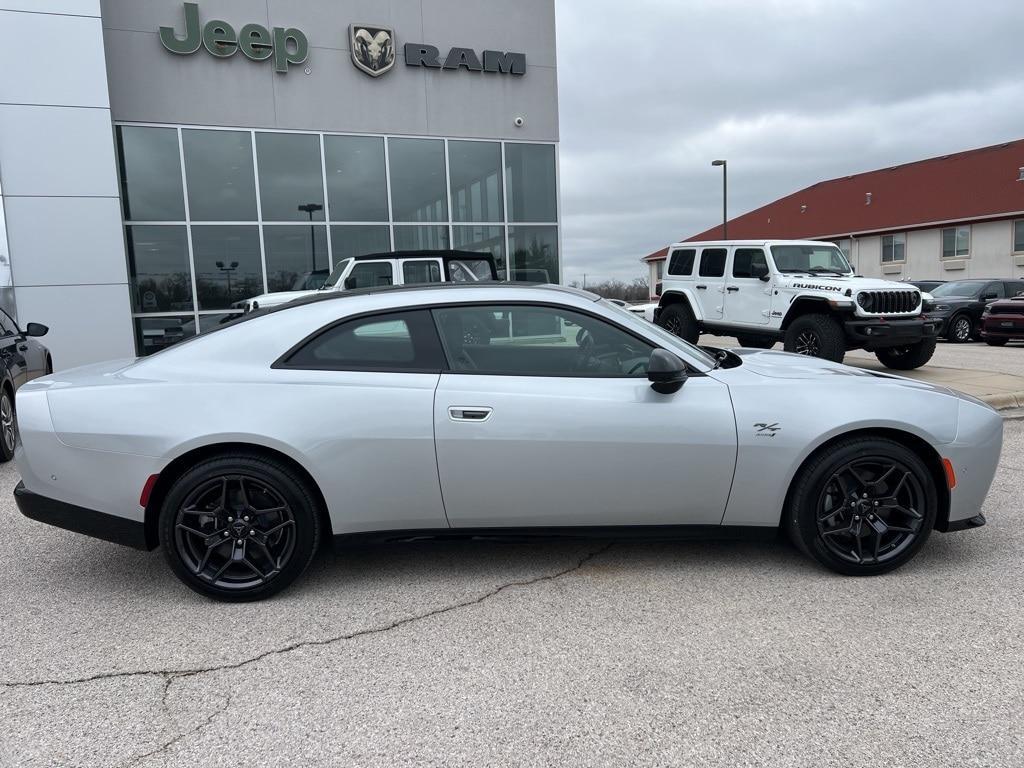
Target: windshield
x=957, y=288
x=656, y=331
x=469, y=270
x=308, y=281
x=811, y=259
x=336, y=273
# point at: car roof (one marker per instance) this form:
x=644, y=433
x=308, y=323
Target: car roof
x=423, y=254
x=765, y=241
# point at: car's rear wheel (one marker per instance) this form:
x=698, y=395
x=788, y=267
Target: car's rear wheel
x=959, y=331
x=678, y=319
x=995, y=342
x=863, y=506
x=816, y=335
x=239, y=527
x=8, y=427
x=756, y=342
x=908, y=356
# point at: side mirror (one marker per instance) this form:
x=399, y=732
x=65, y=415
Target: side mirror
x=666, y=372
x=760, y=271
x=350, y=283
x=36, y=329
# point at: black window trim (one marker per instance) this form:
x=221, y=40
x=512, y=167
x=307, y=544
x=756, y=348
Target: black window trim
x=282, y=364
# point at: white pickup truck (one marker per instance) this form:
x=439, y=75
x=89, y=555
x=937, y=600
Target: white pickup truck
x=801, y=292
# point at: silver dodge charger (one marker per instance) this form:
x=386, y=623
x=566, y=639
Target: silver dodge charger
x=488, y=410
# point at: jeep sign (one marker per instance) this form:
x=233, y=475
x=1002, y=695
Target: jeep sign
x=286, y=45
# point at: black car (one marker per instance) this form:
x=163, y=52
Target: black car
x=24, y=359
x=958, y=305
x=926, y=285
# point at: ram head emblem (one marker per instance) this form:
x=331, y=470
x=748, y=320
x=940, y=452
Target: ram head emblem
x=373, y=48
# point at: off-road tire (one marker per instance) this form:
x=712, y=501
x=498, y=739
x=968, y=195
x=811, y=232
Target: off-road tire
x=816, y=335
x=679, y=320
x=908, y=357
x=808, y=512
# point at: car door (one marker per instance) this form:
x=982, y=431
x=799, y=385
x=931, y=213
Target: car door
x=710, y=283
x=13, y=347
x=748, y=298
x=33, y=352
x=561, y=427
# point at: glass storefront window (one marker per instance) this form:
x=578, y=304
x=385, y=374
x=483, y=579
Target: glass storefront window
x=421, y=238
x=150, y=174
x=227, y=260
x=155, y=333
x=418, y=184
x=534, y=253
x=291, y=179
x=475, y=170
x=161, y=280
x=218, y=169
x=357, y=186
x=482, y=240
x=530, y=173
x=354, y=240
x=296, y=256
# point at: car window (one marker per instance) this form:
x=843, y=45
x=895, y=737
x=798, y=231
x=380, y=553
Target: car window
x=426, y=271
x=1014, y=288
x=7, y=325
x=712, y=262
x=401, y=341
x=336, y=273
x=533, y=340
x=370, y=274
x=994, y=288
x=681, y=261
x=470, y=271
x=746, y=259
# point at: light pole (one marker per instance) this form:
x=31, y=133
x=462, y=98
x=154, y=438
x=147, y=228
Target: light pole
x=227, y=270
x=311, y=208
x=725, y=196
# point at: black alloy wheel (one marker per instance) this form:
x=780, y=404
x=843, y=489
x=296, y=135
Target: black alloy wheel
x=808, y=343
x=8, y=426
x=239, y=528
x=678, y=320
x=959, y=329
x=865, y=506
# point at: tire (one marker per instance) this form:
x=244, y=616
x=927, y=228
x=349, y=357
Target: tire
x=201, y=534
x=756, y=342
x=996, y=342
x=8, y=425
x=960, y=329
x=832, y=514
x=816, y=335
x=908, y=357
x=679, y=320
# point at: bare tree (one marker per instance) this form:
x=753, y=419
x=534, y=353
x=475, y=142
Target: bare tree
x=637, y=290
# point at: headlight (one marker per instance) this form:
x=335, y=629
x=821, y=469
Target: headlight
x=866, y=301
x=940, y=308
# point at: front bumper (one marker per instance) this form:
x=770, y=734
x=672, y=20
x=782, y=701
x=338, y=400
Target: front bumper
x=877, y=333
x=99, y=525
x=1002, y=327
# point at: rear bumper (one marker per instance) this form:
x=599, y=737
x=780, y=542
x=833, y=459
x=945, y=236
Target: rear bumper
x=877, y=333
x=99, y=525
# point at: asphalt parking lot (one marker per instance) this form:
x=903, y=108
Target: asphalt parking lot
x=554, y=653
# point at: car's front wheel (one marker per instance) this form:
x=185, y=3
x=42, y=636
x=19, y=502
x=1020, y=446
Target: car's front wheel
x=863, y=506
x=908, y=356
x=8, y=427
x=239, y=527
x=995, y=342
x=959, y=331
x=678, y=319
x=816, y=335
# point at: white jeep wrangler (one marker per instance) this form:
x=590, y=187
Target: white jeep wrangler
x=801, y=292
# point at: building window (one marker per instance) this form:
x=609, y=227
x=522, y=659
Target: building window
x=894, y=249
x=660, y=268
x=1018, y=236
x=217, y=215
x=956, y=241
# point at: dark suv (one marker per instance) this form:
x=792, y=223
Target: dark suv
x=958, y=305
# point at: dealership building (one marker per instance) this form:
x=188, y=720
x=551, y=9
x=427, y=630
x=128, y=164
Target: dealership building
x=161, y=161
x=945, y=218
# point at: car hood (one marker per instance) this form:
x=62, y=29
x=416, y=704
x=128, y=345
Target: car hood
x=785, y=365
x=840, y=282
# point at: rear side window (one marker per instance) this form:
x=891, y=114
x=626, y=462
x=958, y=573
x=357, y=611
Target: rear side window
x=399, y=341
x=681, y=261
x=1014, y=288
x=712, y=262
x=415, y=272
x=746, y=259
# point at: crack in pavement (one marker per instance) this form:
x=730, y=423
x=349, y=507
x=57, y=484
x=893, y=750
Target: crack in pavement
x=170, y=675
x=192, y=731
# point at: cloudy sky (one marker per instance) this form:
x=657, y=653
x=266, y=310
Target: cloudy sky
x=790, y=92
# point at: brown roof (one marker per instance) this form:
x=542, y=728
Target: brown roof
x=976, y=184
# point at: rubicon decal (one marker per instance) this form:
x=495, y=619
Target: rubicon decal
x=809, y=286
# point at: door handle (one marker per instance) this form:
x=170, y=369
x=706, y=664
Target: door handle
x=732, y=288
x=702, y=287
x=469, y=413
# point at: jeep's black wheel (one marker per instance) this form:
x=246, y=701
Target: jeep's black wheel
x=959, y=330
x=756, y=342
x=996, y=342
x=678, y=319
x=907, y=357
x=239, y=528
x=863, y=506
x=816, y=335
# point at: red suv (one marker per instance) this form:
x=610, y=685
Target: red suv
x=1003, y=321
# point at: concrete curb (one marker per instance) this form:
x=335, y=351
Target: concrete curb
x=1004, y=400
